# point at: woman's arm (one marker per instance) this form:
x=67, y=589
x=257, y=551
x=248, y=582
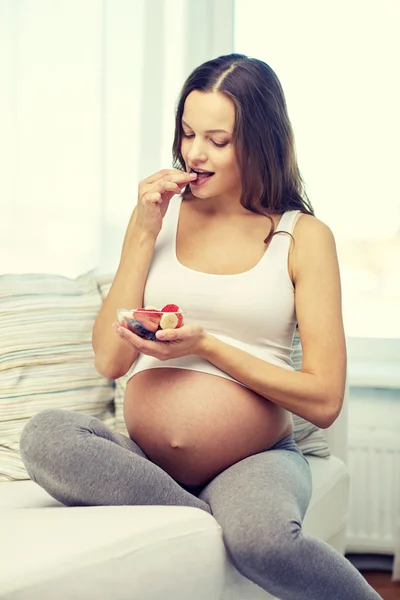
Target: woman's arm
x=113, y=358
x=316, y=392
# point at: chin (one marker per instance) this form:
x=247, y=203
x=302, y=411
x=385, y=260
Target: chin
x=208, y=191
x=200, y=193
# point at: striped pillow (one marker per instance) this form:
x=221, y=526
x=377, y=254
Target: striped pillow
x=46, y=356
x=309, y=438
x=104, y=283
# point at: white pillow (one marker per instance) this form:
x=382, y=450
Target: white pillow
x=104, y=283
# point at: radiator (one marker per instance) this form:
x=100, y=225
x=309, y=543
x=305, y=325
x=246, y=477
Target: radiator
x=374, y=463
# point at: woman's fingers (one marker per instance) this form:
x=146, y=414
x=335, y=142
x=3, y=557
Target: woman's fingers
x=171, y=186
x=168, y=173
x=156, y=176
x=156, y=349
x=174, y=181
x=171, y=181
x=154, y=198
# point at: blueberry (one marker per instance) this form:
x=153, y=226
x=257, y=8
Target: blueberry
x=141, y=331
x=149, y=335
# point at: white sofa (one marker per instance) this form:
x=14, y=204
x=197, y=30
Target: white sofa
x=50, y=551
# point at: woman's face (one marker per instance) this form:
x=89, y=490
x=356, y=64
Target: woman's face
x=207, y=145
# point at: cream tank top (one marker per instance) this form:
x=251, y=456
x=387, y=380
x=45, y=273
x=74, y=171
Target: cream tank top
x=253, y=311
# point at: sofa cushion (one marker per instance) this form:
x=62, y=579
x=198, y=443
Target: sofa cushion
x=137, y=552
x=110, y=552
x=46, y=356
x=309, y=438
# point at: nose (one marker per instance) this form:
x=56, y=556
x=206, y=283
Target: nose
x=197, y=153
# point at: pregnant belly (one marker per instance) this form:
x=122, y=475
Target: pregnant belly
x=195, y=425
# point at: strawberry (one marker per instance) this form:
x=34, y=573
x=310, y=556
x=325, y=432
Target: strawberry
x=152, y=313
x=170, y=308
x=174, y=308
x=148, y=321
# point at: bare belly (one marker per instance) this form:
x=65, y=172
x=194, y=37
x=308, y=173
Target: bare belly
x=195, y=425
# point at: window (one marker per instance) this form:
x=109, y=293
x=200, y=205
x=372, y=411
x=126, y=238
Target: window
x=338, y=65
x=86, y=111
x=51, y=141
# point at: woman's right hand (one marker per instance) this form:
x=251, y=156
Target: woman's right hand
x=154, y=196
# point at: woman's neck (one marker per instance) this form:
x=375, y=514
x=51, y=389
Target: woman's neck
x=215, y=207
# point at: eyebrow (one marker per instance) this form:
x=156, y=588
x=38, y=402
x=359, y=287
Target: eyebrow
x=209, y=130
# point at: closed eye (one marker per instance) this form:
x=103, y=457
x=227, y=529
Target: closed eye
x=191, y=135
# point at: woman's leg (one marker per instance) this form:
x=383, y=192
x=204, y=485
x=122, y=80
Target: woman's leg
x=81, y=462
x=260, y=503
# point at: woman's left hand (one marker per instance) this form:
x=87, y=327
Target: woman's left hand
x=173, y=343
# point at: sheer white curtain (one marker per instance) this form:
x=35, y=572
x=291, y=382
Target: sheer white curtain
x=87, y=98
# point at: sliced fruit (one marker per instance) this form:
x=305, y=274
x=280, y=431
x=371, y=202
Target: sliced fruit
x=179, y=316
x=146, y=318
x=152, y=313
x=170, y=308
x=169, y=321
x=140, y=330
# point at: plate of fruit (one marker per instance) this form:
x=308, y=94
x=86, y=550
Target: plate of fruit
x=144, y=322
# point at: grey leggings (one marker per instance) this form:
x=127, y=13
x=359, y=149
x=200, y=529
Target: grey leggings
x=259, y=501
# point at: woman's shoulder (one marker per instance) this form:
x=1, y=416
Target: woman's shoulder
x=313, y=240
x=309, y=229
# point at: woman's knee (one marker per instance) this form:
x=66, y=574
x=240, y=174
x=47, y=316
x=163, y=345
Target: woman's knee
x=258, y=550
x=43, y=433
x=37, y=427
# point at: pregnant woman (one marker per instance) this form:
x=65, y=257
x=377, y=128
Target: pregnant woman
x=230, y=236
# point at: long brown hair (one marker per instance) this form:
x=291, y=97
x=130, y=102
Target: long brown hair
x=263, y=136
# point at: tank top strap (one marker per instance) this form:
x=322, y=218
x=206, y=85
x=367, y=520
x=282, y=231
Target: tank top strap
x=280, y=243
x=288, y=220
